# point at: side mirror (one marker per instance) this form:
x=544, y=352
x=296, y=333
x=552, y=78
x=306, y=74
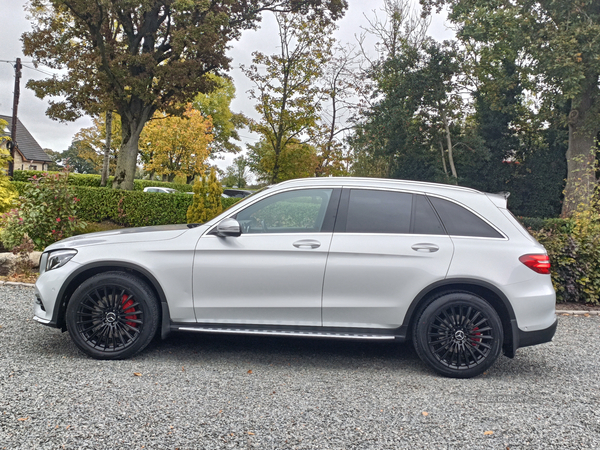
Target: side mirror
x=229, y=227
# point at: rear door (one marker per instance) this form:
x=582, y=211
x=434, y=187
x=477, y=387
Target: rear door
x=387, y=246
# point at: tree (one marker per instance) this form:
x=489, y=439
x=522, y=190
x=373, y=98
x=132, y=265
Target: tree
x=557, y=49
x=216, y=104
x=137, y=57
x=7, y=192
x=333, y=125
x=174, y=145
x=236, y=174
x=93, y=142
x=296, y=160
x=106, y=156
x=289, y=97
x=387, y=140
x=78, y=157
x=413, y=119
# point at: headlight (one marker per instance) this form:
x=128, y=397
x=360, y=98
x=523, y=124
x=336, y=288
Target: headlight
x=58, y=259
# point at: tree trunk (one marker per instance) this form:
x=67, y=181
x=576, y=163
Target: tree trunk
x=132, y=126
x=581, y=156
x=449, y=141
x=443, y=158
x=105, y=163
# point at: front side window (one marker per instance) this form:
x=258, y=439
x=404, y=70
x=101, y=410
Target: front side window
x=299, y=211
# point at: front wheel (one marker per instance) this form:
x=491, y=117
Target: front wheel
x=112, y=315
x=459, y=335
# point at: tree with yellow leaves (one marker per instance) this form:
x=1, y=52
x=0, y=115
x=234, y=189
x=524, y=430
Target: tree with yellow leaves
x=91, y=143
x=7, y=192
x=172, y=146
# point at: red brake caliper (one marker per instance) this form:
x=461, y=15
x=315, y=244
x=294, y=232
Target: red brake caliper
x=127, y=308
x=476, y=341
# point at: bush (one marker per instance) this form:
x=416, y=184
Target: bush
x=46, y=212
x=135, y=208
x=574, y=249
x=91, y=180
x=536, y=223
x=8, y=194
x=207, y=201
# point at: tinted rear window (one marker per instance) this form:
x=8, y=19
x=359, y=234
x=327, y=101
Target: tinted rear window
x=371, y=211
x=459, y=221
x=425, y=219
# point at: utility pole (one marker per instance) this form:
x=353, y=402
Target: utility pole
x=13, y=128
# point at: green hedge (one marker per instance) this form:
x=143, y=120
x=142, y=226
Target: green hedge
x=131, y=208
x=135, y=208
x=91, y=180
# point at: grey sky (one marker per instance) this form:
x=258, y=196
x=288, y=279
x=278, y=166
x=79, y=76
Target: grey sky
x=58, y=136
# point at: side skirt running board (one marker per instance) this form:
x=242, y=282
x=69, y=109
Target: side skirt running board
x=362, y=334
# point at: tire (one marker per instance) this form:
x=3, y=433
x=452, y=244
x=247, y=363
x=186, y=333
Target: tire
x=458, y=335
x=112, y=315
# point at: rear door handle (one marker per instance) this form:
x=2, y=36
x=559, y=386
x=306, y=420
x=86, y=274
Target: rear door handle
x=307, y=243
x=425, y=248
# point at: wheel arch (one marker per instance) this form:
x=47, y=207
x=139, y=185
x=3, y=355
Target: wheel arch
x=494, y=296
x=89, y=270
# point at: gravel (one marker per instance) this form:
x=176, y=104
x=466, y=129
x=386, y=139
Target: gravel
x=201, y=391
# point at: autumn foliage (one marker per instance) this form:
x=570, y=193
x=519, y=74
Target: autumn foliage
x=172, y=146
x=207, y=199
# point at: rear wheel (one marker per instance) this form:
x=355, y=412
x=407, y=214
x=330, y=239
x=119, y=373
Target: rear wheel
x=112, y=315
x=459, y=335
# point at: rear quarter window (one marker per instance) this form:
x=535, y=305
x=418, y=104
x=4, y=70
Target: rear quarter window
x=459, y=221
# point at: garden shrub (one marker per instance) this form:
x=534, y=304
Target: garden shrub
x=46, y=212
x=207, y=200
x=135, y=208
x=8, y=194
x=574, y=249
x=92, y=180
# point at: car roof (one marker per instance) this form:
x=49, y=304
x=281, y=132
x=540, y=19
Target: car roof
x=376, y=182
x=459, y=193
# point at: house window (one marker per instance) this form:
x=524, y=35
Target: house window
x=32, y=167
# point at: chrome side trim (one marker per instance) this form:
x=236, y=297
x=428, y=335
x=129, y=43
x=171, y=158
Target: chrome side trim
x=285, y=333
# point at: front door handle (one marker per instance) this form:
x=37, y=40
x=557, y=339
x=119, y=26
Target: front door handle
x=425, y=248
x=307, y=243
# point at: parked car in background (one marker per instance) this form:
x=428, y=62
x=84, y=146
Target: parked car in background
x=163, y=190
x=447, y=267
x=238, y=193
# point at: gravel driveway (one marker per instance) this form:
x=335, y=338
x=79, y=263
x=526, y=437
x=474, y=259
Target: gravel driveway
x=201, y=391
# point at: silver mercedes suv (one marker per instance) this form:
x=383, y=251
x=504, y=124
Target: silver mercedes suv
x=447, y=267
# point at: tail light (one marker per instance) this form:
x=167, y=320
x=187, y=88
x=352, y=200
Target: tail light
x=537, y=263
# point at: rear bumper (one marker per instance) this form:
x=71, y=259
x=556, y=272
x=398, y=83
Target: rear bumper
x=520, y=338
x=528, y=338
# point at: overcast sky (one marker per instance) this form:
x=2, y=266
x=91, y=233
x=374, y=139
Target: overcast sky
x=58, y=136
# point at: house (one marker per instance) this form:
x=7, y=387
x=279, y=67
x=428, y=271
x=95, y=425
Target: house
x=28, y=154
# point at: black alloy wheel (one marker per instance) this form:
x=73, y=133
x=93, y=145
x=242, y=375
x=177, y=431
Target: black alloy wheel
x=459, y=335
x=112, y=315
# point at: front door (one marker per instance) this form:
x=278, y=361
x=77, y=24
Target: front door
x=273, y=273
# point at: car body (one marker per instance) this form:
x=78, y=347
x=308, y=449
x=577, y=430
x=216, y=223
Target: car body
x=161, y=190
x=447, y=267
